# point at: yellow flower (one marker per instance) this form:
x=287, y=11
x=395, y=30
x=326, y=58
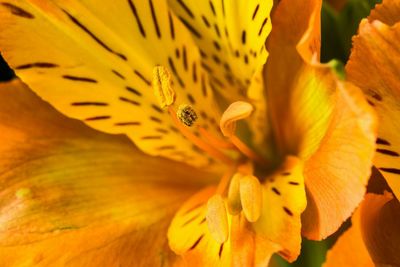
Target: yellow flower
x=375, y=226
x=74, y=196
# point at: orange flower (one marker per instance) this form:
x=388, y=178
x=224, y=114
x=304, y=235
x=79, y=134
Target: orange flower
x=374, y=238
x=74, y=196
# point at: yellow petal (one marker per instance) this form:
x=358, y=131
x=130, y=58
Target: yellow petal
x=284, y=199
x=325, y=122
x=94, y=62
x=72, y=196
x=231, y=35
x=375, y=55
x=189, y=235
x=380, y=219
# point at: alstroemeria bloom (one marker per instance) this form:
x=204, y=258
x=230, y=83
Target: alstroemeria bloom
x=301, y=131
x=375, y=231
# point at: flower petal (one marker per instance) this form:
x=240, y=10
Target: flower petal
x=373, y=239
x=71, y=196
x=94, y=63
x=387, y=12
x=349, y=249
x=190, y=237
x=284, y=199
x=378, y=43
x=380, y=219
x=231, y=35
x=327, y=123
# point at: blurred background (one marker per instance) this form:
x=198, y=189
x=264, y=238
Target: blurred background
x=340, y=20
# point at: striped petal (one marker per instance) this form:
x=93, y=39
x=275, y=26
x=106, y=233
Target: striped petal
x=190, y=237
x=324, y=121
x=284, y=200
x=94, y=62
x=376, y=55
x=231, y=36
x=71, y=196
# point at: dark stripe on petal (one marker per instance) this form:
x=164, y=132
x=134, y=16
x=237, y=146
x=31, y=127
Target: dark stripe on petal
x=186, y=8
x=94, y=37
x=276, y=191
x=390, y=170
x=133, y=90
x=288, y=211
x=118, y=74
x=387, y=152
x=135, y=14
x=212, y=8
x=154, y=17
x=127, y=123
x=174, y=71
x=381, y=141
x=79, y=79
x=155, y=119
x=171, y=26
x=18, y=11
x=221, y=248
x=151, y=137
x=190, y=28
x=262, y=26
x=255, y=12
x=98, y=118
x=89, y=104
x=36, y=65
x=197, y=242
x=293, y=183
x=142, y=77
x=126, y=100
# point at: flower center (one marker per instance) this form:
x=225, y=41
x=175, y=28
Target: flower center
x=238, y=190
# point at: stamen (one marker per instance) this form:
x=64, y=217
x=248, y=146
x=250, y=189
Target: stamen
x=186, y=114
x=251, y=197
x=162, y=86
x=237, y=111
x=215, y=141
x=234, y=204
x=217, y=219
x=199, y=142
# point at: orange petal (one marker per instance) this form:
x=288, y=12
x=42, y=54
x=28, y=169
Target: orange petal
x=71, y=196
x=376, y=55
x=349, y=249
x=380, y=220
x=325, y=122
x=387, y=12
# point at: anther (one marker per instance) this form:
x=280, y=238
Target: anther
x=217, y=219
x=162, y=86
x=187, y=115
x=234, y=204
x=251, y=197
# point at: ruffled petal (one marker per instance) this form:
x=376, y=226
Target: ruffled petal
x=324, y=121
x=374, y=66
x=94, y=62
x=71, y=196
x=387, y=12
